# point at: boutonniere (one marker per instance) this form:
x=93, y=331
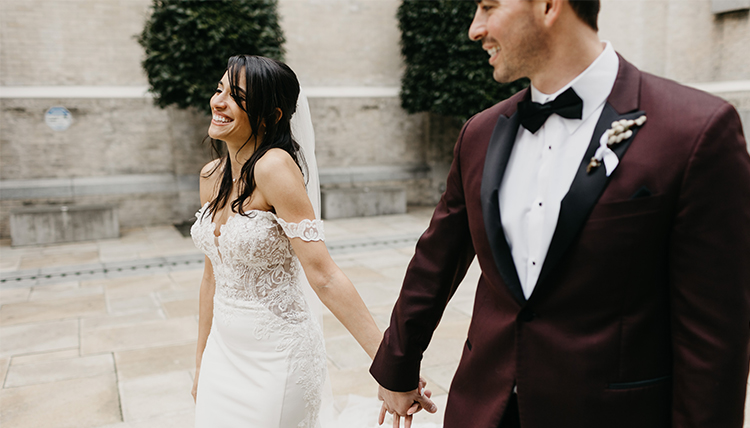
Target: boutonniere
x=619, y=132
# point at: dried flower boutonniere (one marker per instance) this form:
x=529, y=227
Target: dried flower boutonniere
x=619, y=132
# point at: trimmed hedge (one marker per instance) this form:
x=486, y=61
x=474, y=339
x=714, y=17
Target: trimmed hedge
x=188, y=42
x=446, y=73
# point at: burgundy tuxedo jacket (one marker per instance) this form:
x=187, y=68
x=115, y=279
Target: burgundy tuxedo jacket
x=641, y=315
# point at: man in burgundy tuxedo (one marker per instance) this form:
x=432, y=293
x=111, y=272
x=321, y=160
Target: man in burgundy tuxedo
x=609, y=211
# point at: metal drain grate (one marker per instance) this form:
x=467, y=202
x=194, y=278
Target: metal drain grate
x=52, y=275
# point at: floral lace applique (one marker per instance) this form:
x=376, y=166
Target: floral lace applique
x=306, y=230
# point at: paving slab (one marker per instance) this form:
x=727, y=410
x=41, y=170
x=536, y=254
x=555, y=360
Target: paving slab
x=46, y=310
x=69, y=248
x=61, y=259
x=187, y=277
x=38, y=337
x=352, y=381
x=127, y=305
x=150, y=397
x=444, y=349
x=13, y=295
x=63, y=354
x=376, y=293
x=73, y=403
x=139, y=336
x=345, y=353
x=152, y=361
x=180, y=419
x=181, y=308
x=4, y=364
x=360, y=273
x=9, y=262
x=59, y=369
x=135, y=286
x=181, y=292
x=440, y=376
x=120, y=320
x=385, y=259
x=382, y=315
x=62, y=290
x=332, y=327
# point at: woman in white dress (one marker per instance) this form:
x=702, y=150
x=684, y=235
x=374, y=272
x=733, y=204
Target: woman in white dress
x=260, y=360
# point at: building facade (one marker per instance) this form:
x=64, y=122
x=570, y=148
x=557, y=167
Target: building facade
x=120, y=149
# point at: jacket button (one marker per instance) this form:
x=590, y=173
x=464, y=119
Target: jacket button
x=526, y=315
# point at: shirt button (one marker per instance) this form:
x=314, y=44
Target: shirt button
x=533, y=263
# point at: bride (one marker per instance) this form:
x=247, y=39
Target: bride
x=260, y=360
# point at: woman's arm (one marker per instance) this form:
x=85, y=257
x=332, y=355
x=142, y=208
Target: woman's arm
x=337, y=292
x=208, y=284
x=205, y=317
x=281, y=186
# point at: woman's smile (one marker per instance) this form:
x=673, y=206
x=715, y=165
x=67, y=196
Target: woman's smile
x=220, y=119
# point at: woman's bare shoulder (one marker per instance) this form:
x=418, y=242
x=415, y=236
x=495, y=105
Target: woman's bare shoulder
x=210, y=168
x=275, y=163
x=209, y=178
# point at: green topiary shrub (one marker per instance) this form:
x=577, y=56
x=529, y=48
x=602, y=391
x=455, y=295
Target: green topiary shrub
x=188, y=42
x=446, y=73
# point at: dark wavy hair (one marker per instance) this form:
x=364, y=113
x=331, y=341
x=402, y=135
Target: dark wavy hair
x=270, y=84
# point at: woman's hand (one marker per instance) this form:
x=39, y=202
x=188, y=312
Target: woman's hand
x=194, y=392
x=405, y=404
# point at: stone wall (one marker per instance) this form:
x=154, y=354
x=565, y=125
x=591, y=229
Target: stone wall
x=684, y=40
x=86, y=50
x=335, y=43
x=120, y=149
x=679, y=39
x=71, y=42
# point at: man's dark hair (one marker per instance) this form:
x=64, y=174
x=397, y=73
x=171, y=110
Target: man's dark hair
x=587, y=11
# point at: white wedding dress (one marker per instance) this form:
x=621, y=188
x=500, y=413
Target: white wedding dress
x=264, y=364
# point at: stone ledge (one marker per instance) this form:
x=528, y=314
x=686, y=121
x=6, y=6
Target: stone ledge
x=87, y=186
x=61, y=223
x=362, y=201
x=359, y=174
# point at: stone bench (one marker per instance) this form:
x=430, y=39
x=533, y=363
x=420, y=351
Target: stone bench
x=361, y=191
x=362, y=201
x=53, y=224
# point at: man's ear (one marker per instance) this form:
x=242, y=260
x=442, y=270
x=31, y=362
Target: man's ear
x=552, y=10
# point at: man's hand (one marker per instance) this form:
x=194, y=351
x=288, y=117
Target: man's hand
x=405, y=404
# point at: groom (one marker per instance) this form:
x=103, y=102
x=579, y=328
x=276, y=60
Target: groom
x=615, y=257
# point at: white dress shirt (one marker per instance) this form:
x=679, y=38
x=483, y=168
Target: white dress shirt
x=542, y=166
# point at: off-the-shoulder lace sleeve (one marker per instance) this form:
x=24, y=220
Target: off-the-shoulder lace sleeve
x=307, y=230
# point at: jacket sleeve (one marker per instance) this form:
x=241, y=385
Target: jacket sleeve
x=442, y=257
x=709, y=268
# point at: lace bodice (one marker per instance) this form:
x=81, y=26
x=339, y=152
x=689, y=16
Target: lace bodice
x=254, y=263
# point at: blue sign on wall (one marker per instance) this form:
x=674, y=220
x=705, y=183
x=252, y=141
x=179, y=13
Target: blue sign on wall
x=58, y=118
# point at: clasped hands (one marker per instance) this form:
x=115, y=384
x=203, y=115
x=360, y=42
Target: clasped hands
x=405, y=404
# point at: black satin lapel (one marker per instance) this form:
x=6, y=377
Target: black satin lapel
x=495, y=162
x=584, y=192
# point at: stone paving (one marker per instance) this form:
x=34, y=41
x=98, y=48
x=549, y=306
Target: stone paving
x=102, y=334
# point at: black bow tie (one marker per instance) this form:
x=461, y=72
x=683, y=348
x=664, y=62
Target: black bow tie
x=533, y=115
